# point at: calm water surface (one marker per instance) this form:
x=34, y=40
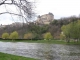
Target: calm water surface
x=41, y=50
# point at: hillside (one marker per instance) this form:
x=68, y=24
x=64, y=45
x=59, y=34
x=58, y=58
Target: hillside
x=38, y=30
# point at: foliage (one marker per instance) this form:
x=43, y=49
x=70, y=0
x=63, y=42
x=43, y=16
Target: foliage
x=54, y=22
x=37, y=30
x=62, y=36
x=5, y=35
x=48, y=36
x=72, y=30
x=14, y=35
x=28, y=36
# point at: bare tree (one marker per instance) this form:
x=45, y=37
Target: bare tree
x=25, y=8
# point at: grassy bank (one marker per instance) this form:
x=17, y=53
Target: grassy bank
x=4, y=56
x=43, y=41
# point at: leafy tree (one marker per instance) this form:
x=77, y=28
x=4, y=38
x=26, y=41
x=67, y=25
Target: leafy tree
x=62, y=36
x=14, y=35
x=66, y=31
x=5, y=35
x=28, y=36
x=37, y=30
x=48, y=36
x=54, y=22
x=78, y=29
x=75, y=34
x=72, y=30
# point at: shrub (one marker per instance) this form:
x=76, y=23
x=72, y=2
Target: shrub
x=28, y=36
x=48, y=36
x=62, y=36
x=5, y=35
x=14, y=35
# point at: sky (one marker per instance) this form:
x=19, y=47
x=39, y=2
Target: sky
x=60, y=8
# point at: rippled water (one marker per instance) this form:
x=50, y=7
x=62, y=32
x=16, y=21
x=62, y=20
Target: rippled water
x=42, y=51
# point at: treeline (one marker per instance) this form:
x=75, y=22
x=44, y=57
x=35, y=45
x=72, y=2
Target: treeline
x=35, y=31
x=15, y=36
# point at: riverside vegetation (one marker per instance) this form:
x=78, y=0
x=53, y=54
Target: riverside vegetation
x=45, y=41
x=67, y=29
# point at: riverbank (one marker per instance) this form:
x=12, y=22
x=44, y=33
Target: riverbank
x=5, y=56
x=44, y=41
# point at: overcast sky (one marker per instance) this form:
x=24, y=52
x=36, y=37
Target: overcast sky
x=60, y=8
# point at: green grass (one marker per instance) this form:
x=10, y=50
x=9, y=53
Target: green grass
x=43, y=41
x=4, y=56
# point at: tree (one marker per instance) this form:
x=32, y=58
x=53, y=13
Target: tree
x=24, y=7
x=14, y=35
x=78, y=29
x=37, y=30
x=62, y=36
x=48, y=36
x=75, y=34
x=66, y=31
x=5, y=35
x=72, y=30
x=28, y=36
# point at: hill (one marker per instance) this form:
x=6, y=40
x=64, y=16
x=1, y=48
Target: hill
x=38, y=30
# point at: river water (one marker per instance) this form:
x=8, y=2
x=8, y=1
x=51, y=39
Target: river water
x=42, y=51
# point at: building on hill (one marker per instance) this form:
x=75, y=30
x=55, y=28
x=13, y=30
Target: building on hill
x=45, y=19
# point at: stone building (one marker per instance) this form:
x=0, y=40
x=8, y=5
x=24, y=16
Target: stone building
x=45, y=19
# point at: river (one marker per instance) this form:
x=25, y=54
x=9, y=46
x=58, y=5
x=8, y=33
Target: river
x=42, y=51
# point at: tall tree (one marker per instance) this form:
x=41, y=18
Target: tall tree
x=66, y=31
x=72, y=30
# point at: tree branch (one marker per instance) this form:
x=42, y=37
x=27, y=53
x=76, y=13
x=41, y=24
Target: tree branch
x=3, y=2
x=23, y=5
x=13, y=14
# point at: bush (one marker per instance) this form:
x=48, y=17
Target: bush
x=14, y=35
x=48, y=36
x=5, y=35
x=62, y=36
x=28, y=36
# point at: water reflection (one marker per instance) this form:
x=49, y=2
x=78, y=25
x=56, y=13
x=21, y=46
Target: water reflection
x=42, y=51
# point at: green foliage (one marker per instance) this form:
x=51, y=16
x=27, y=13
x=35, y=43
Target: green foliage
x=37, y=30
x=5, y=35
x=72, y=30
x=48, y=36
x=62, y=36
x=28, y=36
x=14, y=35
x=55, y=22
